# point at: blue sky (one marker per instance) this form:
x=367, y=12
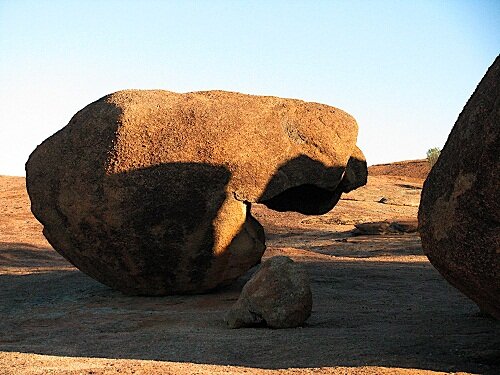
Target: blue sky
x=403, y=69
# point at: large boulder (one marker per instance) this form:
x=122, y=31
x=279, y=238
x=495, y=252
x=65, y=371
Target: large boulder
x=278, y=296
x=149, y=192
x=459, y=214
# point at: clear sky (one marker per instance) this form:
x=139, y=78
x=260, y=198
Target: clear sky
x=403, y=69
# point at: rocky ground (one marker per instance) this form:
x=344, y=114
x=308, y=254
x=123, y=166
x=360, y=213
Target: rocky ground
x=408, y=168
x=379, y=306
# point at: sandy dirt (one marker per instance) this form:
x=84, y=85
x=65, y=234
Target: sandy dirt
x=379, y=306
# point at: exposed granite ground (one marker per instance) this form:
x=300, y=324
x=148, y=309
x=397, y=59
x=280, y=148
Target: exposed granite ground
x=379, y=306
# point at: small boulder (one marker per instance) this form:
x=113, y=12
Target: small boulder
x=404, y=226
x=373, y=228
x=385, y=227
x=278, y=295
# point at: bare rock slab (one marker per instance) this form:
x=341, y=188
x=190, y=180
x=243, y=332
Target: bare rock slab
x=459, y=213
x=149, y=191
x=278, y=295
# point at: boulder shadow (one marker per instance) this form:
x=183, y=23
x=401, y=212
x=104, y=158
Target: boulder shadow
x=22, y=255
x=391, y=314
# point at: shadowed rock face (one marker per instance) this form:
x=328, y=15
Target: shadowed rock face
x=278, y=296
x=149, y=192
x=459, y=214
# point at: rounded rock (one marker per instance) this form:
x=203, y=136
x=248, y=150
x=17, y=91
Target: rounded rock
x=149, y=192
x=278, y=296
x=459, y=213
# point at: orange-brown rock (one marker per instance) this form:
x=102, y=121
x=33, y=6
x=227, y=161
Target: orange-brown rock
x=278, y=296
x=149, y=192
x=459, y=214
x=385, y=227
x=418, y=169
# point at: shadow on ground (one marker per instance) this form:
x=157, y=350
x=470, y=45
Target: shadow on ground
x=345, y=244
x=392, y=314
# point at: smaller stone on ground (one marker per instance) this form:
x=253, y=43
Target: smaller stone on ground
x=278, y=295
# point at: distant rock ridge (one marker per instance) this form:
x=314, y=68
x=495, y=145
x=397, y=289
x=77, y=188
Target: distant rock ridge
x=419, y=168
x=149, y=191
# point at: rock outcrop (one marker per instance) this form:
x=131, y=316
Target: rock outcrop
x=385, y=227
x=149, y=192
x=459, y=214
x=278, y=296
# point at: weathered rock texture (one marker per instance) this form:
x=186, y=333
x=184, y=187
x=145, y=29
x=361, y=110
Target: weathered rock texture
x=149, y=192
x=278, y=295
x=459, y=214
x=385, y=227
